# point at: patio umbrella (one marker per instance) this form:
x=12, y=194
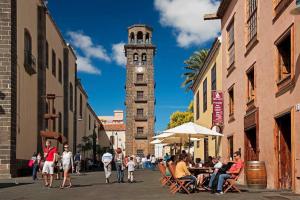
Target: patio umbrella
x=157, y=141
x=188, y=130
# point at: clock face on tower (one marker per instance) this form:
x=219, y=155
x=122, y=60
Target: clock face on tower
x=139, y=69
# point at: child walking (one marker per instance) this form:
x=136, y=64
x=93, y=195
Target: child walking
x=131, y=166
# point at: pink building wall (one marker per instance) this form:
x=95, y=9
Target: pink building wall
x=263, y=56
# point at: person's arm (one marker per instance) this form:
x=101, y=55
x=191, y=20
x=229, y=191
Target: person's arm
x=185, y=169
x=72, y=162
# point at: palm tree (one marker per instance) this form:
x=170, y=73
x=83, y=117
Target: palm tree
x=193, y=65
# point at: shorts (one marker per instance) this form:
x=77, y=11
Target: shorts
x=48, y=167
x=66, y=167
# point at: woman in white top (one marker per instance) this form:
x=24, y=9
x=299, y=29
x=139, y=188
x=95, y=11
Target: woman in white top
x=67, y=164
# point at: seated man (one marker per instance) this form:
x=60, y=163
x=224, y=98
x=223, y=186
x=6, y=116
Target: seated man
x=232, y=172
x=182, y=172
x=217, y=166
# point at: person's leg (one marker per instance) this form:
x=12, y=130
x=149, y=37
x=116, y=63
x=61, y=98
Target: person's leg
x=65, y=178
x=33, y=172
x=221, y=180
x=118, y=172
x=211, y=180
x=122, y=176
x=131, y=177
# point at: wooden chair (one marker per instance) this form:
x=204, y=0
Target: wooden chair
x=164, y=178
x=230, y=184
x=178, y=184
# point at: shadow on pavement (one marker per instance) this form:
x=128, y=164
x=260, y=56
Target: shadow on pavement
x=7, y=185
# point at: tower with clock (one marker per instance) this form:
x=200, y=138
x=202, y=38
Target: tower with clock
x=140, y=85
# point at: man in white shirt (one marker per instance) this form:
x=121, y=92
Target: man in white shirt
x=107, y=159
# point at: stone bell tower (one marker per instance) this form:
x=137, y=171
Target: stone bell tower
x=140, y=86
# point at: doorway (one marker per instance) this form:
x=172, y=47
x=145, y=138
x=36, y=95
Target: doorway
x=284, y=153
x=251, y=145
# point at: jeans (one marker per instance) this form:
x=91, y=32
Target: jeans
x=34, y=171
x=120, y=172
x=212, y=177
x=192, y=178
x=221, y=180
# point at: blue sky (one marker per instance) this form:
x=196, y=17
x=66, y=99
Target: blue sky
x=97, y=29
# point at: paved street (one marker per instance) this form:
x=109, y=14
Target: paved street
x=91, y=186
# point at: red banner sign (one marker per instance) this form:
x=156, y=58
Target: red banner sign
x=217, y=116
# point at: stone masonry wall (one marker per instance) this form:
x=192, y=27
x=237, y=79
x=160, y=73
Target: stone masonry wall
x=8, y=67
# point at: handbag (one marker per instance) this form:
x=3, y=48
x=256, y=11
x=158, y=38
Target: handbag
x=30, y=163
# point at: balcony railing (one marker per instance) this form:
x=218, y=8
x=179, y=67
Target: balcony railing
x=141, y=136
x=141, y=118
x=30, y=62
x=141, y=100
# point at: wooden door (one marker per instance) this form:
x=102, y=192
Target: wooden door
x=251, y=147
x=284, y=152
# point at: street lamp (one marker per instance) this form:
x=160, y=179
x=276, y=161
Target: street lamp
x=296, y=11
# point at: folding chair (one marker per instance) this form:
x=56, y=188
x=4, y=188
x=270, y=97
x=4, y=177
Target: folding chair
x=178, y=184
x=164, y=179
x=230, y=184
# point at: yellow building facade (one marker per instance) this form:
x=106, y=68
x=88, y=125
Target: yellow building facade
x=208, y=79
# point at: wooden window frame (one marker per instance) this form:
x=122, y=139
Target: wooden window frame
x=60, y=71
x=230, y=47
x=53, y=62
x=205, y=95
x=140, y=112
x=231, y=103
x=213, y=80
x=251, y=18
x=197, y=106
x=139, y=77
x=253, y=96
x=47, y=55
x=285, y=83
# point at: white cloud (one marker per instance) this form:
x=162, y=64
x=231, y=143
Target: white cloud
x=186, y=17
x=84, y=64
x=118, y=54
x=87, y=47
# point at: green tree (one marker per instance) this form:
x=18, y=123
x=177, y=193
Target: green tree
x=177, y=118
x=193, y=65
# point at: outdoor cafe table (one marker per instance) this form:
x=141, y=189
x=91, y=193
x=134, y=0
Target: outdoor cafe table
x=200, y=170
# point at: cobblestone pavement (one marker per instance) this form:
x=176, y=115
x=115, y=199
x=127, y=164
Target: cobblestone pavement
x=91, y=186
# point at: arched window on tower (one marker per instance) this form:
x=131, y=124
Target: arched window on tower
x=140, y=37
x=147, y=38
x=131, y=38
x=135, y=58
x=144, y=58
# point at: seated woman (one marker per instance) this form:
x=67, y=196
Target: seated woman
x=182, y=172
x=169, y=162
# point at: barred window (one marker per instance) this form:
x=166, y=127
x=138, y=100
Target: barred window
x=251, y=19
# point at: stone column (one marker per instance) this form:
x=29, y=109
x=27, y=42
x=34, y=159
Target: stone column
x=8, y=90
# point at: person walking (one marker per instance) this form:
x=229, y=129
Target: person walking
x=35, y=166
x=138, y=161
x=131, y=166
x=77, y=160
x=119, y=161
x=67, y=165
x=144, y=160
x=106, y=160
x=153, y=162
x=48, y=168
